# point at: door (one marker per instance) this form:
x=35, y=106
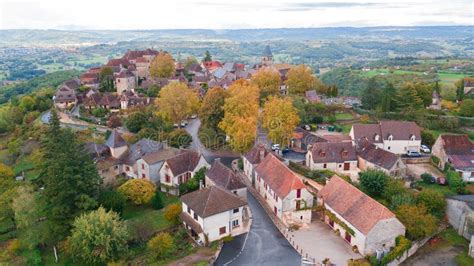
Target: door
x=298, y=205
x=348, y=237
x=347, y=166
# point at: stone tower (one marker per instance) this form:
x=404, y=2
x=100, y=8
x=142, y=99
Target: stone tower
x=267, y=57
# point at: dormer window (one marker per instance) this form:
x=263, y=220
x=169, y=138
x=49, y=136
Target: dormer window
x=344, y=153
x=412, y=138
x=322, y=153
x=377, y=137
x=390, y=137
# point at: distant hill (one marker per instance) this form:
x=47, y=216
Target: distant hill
x=60, y=37
x=51, y=80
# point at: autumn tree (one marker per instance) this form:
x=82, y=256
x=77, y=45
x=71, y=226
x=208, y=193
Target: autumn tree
x=114, y=121
x=172, y=212
x=161, y=245
x=98, y=237
x=139, y=191
x=162, y=66
x=268, y=81
x=280, y=119
x=300, y=79
x=177, y=101
x=191, y=60
x=418, y=222
x=240, y=115
x=433, y=201
x=212, y=107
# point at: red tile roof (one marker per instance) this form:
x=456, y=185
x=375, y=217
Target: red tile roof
x=360, y=210
x=278, y=176
x=222, y=176
x=183, y=162
x=333, y=152
x=253, y=156
x=400, y=130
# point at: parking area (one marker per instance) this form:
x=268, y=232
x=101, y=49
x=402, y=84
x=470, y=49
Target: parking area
x=319, y=242
x=416, y=170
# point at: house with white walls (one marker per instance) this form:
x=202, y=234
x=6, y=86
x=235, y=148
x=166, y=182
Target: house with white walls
x=223, y=177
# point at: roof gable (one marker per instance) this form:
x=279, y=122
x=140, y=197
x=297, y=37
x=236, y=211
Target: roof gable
x=224, y=177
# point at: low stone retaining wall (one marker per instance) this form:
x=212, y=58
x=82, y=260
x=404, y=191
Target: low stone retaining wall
x=417, y=160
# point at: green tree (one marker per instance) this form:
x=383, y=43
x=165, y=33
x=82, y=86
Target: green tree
x=112, y=200
x=190, y=60
x=27, y=103
x=370, y=96
x=136, y=121
x=106, y=79
x=207, y=56
x=157, y=200
x=467, y=108
x=455, y=182
x=98, y=237
x=388, y=98
x=433, y=201
x=212, y=107
x=70, y=178
x=139, y=191
x=459, y=89
x=427, y=138
x=179, y=138
x=418, y=222
x=161, y=246
x=373, y=182
x=162, y=66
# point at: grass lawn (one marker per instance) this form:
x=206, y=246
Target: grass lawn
x=446, y=78
x=344, y=116
x=443, y=189
x=4, y=157
x=148, y=214
x=27, y=166
x=451, y=238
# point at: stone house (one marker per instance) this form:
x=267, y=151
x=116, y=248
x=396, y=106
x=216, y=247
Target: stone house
x=394, y=136
x=283, y=191
x=212, y=213
x=458, y=151
x=150, y=164
x=223, y=177
x=361, y=221
x=251, y=159
x=125, y=81
x=340, y=157
x=66, y=96
x=179, y=169
x=460, y=213
x=371, y=156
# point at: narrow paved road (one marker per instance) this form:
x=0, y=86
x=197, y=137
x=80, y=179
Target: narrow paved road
x=263, y=245
x=193, y=129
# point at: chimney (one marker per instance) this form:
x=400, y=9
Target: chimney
x=217, y=160
x=165, y=144
x=262, y=154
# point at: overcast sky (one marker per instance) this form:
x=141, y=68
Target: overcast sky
x=229, y=14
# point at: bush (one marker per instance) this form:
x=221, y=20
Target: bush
x=172, y=213
x=427, y=178
x=179, y=138
x=434, y=160
x=434, y=202
x=455, y=182
x=227, y=239
x=157, y=200
x=99, y=112
x=373, y=182
x=112, y=200
x=427, y=138
x=13, y=246
x=139, y=191
x=161, y=246
x=402, y=245
x=418, y=222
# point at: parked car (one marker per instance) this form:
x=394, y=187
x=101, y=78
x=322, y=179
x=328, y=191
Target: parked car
x=275, y=147
x=413, y=154
x=194, y=116
x=425, y=149
x=307, y=127
x=285, y=150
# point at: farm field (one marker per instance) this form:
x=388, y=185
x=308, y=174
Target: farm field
x=447, y=78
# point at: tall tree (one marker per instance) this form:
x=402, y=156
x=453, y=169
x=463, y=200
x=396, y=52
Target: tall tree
x=408, y=98
x=373, y=182
x=467, y=108
x=189, y=61
x=280, y=119
x=106, y=79
x=268, y=81
x=212, y=107
x=388, y=98
x=459, y=89
x=207, y=56
x=300, y=79
x=240, y=115
x=70, y=178
x=371, y=94
x=162, y=66
x=177, y=101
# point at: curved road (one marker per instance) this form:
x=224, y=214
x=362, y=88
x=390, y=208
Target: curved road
x=263, y=245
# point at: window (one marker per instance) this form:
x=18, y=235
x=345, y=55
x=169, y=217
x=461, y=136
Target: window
x=222, y=230
x=195, y=217
x=348, y=237
x=235, y=223
x=143, y=166
x=390, y=138
x=275, y=210
x=389, y=147
x=167, y=179
x=127, y=168
x=298, y=193
x=189, y=210
x=376, y=137
x=236, y=210
x=143, y=176
x=331, y=223
x=324, y=166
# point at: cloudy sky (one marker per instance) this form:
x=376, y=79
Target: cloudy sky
x=229, y=14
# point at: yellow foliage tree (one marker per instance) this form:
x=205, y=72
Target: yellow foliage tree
x=300, y=79
x=280, y=119
x=172, y=212
x=139, y=191
x=162, y=66
x=268, y=81
x=240, y=115
x=161, y=245
x=176, y=101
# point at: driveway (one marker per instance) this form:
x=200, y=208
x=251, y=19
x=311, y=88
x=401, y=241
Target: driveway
x=319, y=242
x=417, y=170
x=193, y=129
x=263, y=245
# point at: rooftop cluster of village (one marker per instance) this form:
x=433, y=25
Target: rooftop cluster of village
x=316, y=174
